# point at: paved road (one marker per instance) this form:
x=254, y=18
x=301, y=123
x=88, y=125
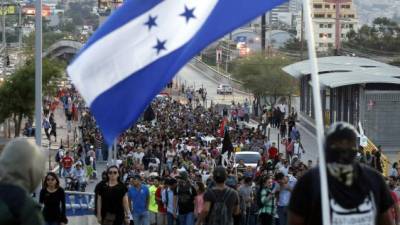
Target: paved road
x=194, y=78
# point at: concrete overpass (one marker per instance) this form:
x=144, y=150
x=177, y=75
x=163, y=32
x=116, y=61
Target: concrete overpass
x=64, y=49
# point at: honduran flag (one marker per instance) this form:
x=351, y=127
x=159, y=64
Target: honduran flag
x=142, y=45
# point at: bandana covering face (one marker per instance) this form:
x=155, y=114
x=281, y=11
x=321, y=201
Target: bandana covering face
x=342, y=172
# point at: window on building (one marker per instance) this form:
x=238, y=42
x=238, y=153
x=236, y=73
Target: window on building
x=321, y=35
x=351, y=26
x=317, y=6
x=329, y=15
x=319, y=15
x=321, y=25
x=330, y=45
x=342, y=26
x=327, y=6
x=321, y=44
x=329, y=25
x=345, y=6
x=329, y=35
x=342, y=35
x=350, y=16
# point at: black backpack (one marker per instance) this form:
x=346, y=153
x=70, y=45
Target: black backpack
x=185, y=194
x=219, y=213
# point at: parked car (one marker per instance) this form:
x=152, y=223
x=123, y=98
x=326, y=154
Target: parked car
x=224, y=89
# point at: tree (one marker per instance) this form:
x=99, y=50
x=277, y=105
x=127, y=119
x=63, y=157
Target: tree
x=381, y=37
x=17, y=93
x=264, y=77
x=294, y=44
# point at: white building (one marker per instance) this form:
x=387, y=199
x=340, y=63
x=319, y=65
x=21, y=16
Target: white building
x=324, y=16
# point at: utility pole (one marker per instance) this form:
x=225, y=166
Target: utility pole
x=3, y=22
x=38, y=72
x=263, y=30
x=20, y=25
x=302, y=35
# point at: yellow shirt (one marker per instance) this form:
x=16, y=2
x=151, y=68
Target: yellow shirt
x=153, y=206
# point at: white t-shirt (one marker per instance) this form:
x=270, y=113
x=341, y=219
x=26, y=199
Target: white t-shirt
x=170, y=156
x=138, y=156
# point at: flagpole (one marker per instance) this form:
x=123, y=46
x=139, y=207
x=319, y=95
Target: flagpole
x=38, y=72
x=317, y=112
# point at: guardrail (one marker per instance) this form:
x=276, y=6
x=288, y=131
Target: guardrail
x=215, y=75
x=79, y=203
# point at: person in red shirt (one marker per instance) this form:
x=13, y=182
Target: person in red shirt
x=395, y=210
x=273, y=152
x=67, y=163
x=162, y=211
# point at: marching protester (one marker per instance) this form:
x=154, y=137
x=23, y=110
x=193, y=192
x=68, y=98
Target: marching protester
x=52, y=197
x=112, y=200
x=21, y=170
x=220, y=203
x=139, y=197
x=357, y=192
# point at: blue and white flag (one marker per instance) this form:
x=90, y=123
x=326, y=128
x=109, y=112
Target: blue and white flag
x=140, y=48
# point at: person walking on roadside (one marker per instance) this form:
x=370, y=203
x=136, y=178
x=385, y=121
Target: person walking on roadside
x=52, y=196
x=139, y=197
x=53, y=126
x=221, y=203
x=67, y=161
x=22, y=166
x=112, y=200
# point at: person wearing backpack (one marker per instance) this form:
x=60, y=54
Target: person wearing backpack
x=266, y=201
x=221, y=203
x=184, y=197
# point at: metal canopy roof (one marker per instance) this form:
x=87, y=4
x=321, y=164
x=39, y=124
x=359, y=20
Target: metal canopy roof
x=339, y=71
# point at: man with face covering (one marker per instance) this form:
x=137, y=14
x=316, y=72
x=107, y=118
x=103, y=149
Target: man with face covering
x=358, y=194
x=22, y=167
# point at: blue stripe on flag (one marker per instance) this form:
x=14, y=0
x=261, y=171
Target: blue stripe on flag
x=116, y=109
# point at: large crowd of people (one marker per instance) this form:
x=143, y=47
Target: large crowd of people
x=177, y=165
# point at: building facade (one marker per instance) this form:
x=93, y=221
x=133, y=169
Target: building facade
x=324, y=20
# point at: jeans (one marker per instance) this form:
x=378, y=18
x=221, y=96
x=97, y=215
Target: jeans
x=141, y=219
x=186, y=219
x=282, y=213
x=170, y=219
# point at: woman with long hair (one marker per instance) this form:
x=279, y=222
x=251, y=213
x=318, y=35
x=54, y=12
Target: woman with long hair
x=112, y=200
x=52, y=196
x=199, y=201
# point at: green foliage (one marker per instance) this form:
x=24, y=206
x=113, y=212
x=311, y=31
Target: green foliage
x=264, y=76
x=17, y=93
x=81, y=14
x=382, y=35
x=294, y=44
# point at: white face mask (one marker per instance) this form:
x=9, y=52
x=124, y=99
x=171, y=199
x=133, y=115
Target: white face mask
x=342, y=172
